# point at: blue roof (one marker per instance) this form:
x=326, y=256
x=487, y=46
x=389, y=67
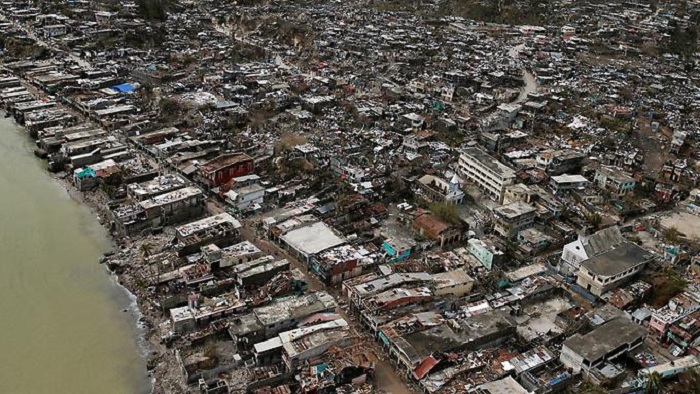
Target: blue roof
x=86, y=172
x=124, y=88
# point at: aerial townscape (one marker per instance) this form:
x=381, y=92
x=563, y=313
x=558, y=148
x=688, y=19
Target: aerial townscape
x=382, y=196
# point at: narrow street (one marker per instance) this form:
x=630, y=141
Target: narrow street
x=387, y=378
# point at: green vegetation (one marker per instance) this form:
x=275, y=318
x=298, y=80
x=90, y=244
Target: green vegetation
x=154, y=9
x=20, y=48
x=595, y=220
x=654, y=384
x=616, y=125
x=146, y=250
x=499, y=11
x=170, y=108
x=683, y=42
x=445, y=212
x=672, y=235
x=665, y=285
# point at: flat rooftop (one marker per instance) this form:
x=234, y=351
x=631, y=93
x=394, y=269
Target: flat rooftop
x=489, y=162
x=312, y=239
x=605, y=339
x=299, y=307
x=387, y=282
x=569, y=179
x=321, y=335
x=240, y=249
x=171, y=197
x=224, y=161
x=206, y=223
x=158, y=185
x=514, y=210
x=618, y=260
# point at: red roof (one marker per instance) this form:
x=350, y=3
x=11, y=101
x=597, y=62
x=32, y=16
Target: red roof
x=425, y=367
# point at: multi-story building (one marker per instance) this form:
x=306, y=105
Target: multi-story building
x=560, y=161
x=586, y=247
x=487, y=253
x=608, y=270
x=562, y=183
x=221, y=229
x=163, y=210
x=511, y=218
x=615, y=181
x=583, y=353
x=437, y=189
x=678, y=308
x=224, y=168
x=490, y=175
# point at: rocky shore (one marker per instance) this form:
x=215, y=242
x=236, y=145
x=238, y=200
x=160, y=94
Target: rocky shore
x=125, y=263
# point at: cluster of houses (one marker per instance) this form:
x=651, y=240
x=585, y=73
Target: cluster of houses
x=315, y=195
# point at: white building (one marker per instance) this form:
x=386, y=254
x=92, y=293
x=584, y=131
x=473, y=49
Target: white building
x=582, y=353
x=561, y=183
x=55, y=30
x=246, y=197
x=607, y=271
x=489, y=175
x=586, y=247
x=511, y=218
x=438, y=189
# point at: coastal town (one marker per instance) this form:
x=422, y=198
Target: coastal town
x=375, y=196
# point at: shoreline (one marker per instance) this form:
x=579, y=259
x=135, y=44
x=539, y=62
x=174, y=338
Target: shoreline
x=151, y=350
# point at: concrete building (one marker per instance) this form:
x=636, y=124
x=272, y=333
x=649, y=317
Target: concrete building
x=343, y=262
x=487, y=173
x=305, y=343
x=282, y=315
x=582, y=353
x=413, y=338
x=507, y=385
x=224, y=168
x=486, y=253
x=230, y=256
x=222, y=229
x=436, y=189
x=677, y=309
x=560, y=161
x=457, y=283
x=511, y=218
x=155, y=187
x=519, y=192
x=167, y=209
x=431, y=227
x=246, y=197
x=586, y=247
x=615, y=181
x=256, y=273
x=308, y=240
x=609, y=270
x=562, y=183
x=55, y=30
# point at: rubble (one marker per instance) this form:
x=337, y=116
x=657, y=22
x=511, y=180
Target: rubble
x=301, y=191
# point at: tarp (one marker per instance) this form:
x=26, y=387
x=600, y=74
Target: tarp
x=124, y=88
x=86, y=172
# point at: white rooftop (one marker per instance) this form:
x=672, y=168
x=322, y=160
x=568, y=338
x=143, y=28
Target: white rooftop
x=312, y=239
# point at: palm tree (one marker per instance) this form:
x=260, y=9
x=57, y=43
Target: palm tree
x=654, y=384
x=595, y=220
x=146, y=250
x=690, y=381
x=672, y=235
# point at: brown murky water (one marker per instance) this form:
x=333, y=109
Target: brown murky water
x=62, y=325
